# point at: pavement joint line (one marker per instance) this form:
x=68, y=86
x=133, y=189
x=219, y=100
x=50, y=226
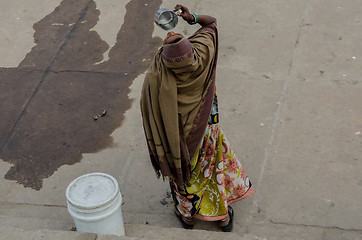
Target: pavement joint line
x=257, y=76
x=76, y=71
x=73, y=71
x=269, y=147
x=314, y=226
x=298, y=35
x=125, y=169
x=63, y=206
x=46, y=73
x=94, y=72
x=30, y=204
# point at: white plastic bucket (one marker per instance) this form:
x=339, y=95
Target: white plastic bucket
x=94, y=201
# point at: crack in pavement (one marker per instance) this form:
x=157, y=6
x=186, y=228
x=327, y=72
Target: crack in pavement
x=269, y=149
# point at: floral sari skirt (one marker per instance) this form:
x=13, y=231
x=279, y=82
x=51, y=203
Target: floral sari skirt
x=217, y=179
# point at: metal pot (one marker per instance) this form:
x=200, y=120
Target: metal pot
x=166, y=19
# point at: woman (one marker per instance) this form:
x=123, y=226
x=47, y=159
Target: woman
x=181, y=123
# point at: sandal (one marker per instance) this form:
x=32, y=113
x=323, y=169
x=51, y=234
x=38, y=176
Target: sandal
x=229, y=226
x=186, y=223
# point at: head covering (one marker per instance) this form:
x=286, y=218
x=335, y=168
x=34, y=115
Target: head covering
x=177, y=52
x=176, y=102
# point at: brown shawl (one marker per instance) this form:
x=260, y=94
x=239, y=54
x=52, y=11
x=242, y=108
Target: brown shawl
x=176, y=102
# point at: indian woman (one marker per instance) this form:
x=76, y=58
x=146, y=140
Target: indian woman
x=180, y=114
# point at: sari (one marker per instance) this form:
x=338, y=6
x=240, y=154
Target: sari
x=218, y=178
x=181, y=123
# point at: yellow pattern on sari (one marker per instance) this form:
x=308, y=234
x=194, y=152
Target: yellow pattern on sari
x=217, y=179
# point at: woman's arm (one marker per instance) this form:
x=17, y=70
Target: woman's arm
x=203, y=20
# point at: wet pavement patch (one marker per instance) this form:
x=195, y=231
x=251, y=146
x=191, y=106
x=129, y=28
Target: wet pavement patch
x=52, y=32
x=52, y=98
x=16, y=88
x=167, y=200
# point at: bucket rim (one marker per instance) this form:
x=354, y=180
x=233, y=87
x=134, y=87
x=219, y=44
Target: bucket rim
x=102, y=204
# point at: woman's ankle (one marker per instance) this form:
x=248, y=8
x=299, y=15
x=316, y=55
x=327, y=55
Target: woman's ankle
x=188, y=221
x=224, y=222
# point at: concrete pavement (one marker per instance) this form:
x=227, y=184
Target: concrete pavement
x=289, y=85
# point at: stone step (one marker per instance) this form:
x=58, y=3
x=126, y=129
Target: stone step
x=133, y=232
x=32, y=228
x=156, y=232
x=36, y=220
x=29, y=223
x=41, y=222
x=13, y=233
x=18, y=224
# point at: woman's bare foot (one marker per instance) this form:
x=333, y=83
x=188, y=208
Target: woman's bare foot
x=225, y=221
x=188, y=221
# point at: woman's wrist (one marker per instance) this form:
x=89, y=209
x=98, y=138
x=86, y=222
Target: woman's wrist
x=194, y=19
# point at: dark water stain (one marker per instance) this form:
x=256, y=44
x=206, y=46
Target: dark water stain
x=167, y=200
x=49, y=37
x=50, y=122
x=16, y=88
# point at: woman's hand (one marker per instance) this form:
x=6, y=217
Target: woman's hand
x=203, y=20
x=186, y=15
